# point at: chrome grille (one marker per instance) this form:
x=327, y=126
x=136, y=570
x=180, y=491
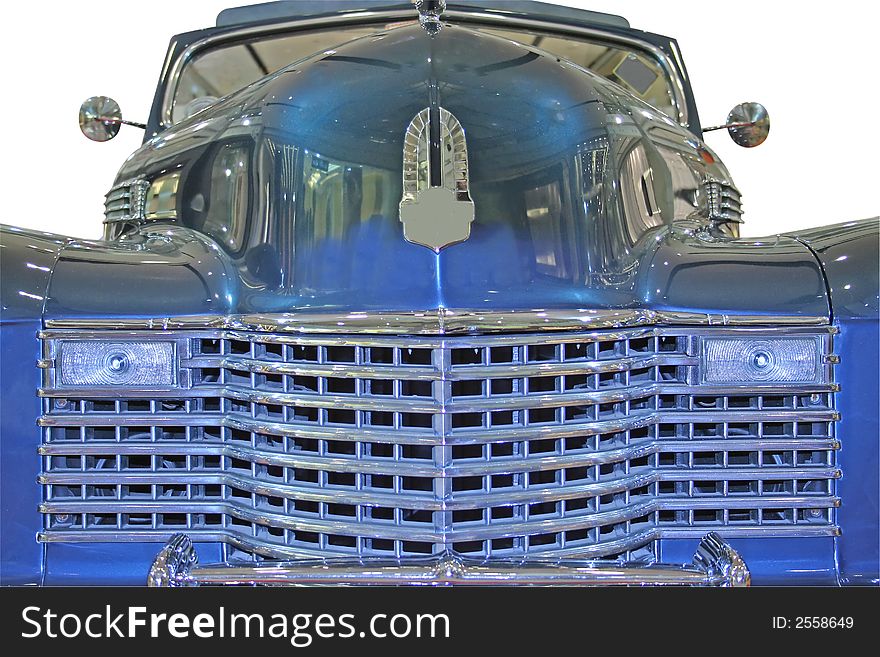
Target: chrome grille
x=558, y=444
x=125, y=201
x=724, y=201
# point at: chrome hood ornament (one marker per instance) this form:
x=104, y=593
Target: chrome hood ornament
x=429, y=14
x=436, y=209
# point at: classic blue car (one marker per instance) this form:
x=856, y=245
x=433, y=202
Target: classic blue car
x=398, y=297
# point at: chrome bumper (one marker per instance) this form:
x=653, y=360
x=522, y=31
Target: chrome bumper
x=715, y=564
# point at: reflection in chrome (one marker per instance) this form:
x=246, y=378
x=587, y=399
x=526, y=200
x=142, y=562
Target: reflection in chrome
x=429, y=14
x=161, y=198
x=173, y=563
x=436, y=209
x=441, y=321
x=722, y=562
x=100, y=118
x=714, y=564
x=748, y=124
x=566, y=445
x=723, y=201
x=126, y=202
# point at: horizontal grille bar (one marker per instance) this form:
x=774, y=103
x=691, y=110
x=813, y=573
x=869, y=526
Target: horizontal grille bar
x=429, y=373
x=245, y=423
x=250, y=545
x=416, y=531
x=416, y=468
x=415, y=501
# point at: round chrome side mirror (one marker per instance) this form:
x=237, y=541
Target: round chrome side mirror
x=748, y=124
x=100, y=118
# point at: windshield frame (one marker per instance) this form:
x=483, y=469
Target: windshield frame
x=175, y=65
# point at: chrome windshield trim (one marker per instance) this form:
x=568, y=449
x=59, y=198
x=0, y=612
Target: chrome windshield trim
x=175, y=67
x=714, y=564
x=440, y=321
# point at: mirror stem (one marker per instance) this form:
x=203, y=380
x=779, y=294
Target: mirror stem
x=109, y=119
x=742, y=124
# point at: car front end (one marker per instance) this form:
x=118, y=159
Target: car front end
x=438, y=307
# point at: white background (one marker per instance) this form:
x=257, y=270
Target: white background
x=813, y=65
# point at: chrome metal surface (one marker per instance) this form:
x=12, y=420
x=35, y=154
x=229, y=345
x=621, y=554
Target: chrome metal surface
x=579, y=445
x=436, y=209
x=714, y=564
x=441, y=321
x=748, y=124
x=430, y=12
x=174, y=563
x=724, y=201
x=175, y=65
x=721, y=561
x=126, y=202
x=100, y=118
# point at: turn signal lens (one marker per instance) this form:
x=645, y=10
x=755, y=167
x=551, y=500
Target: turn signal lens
x=760, y=360
x=93, y=363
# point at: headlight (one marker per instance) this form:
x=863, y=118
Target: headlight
x=94, y=363
x=760, y=360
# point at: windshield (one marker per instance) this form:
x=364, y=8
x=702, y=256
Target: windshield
x=220, y=71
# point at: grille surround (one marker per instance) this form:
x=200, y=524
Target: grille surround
x=390, y=446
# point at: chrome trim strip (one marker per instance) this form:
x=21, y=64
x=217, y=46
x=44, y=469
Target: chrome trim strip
x=424, y=467
x=426, y=532
x=390, y=500
x=714, y=564
x=412, y=404
x=215, y=391
x=459, y=373
x=401, y=500
x=473, y=437
x=249, y=544
x=437, y=322
x=175, y=68
x=631, y=452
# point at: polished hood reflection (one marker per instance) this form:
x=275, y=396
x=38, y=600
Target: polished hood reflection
x=574, y=183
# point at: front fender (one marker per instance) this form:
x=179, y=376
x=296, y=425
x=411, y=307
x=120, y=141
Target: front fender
x=849, y=257
x=27, y=259
x=161, y=271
